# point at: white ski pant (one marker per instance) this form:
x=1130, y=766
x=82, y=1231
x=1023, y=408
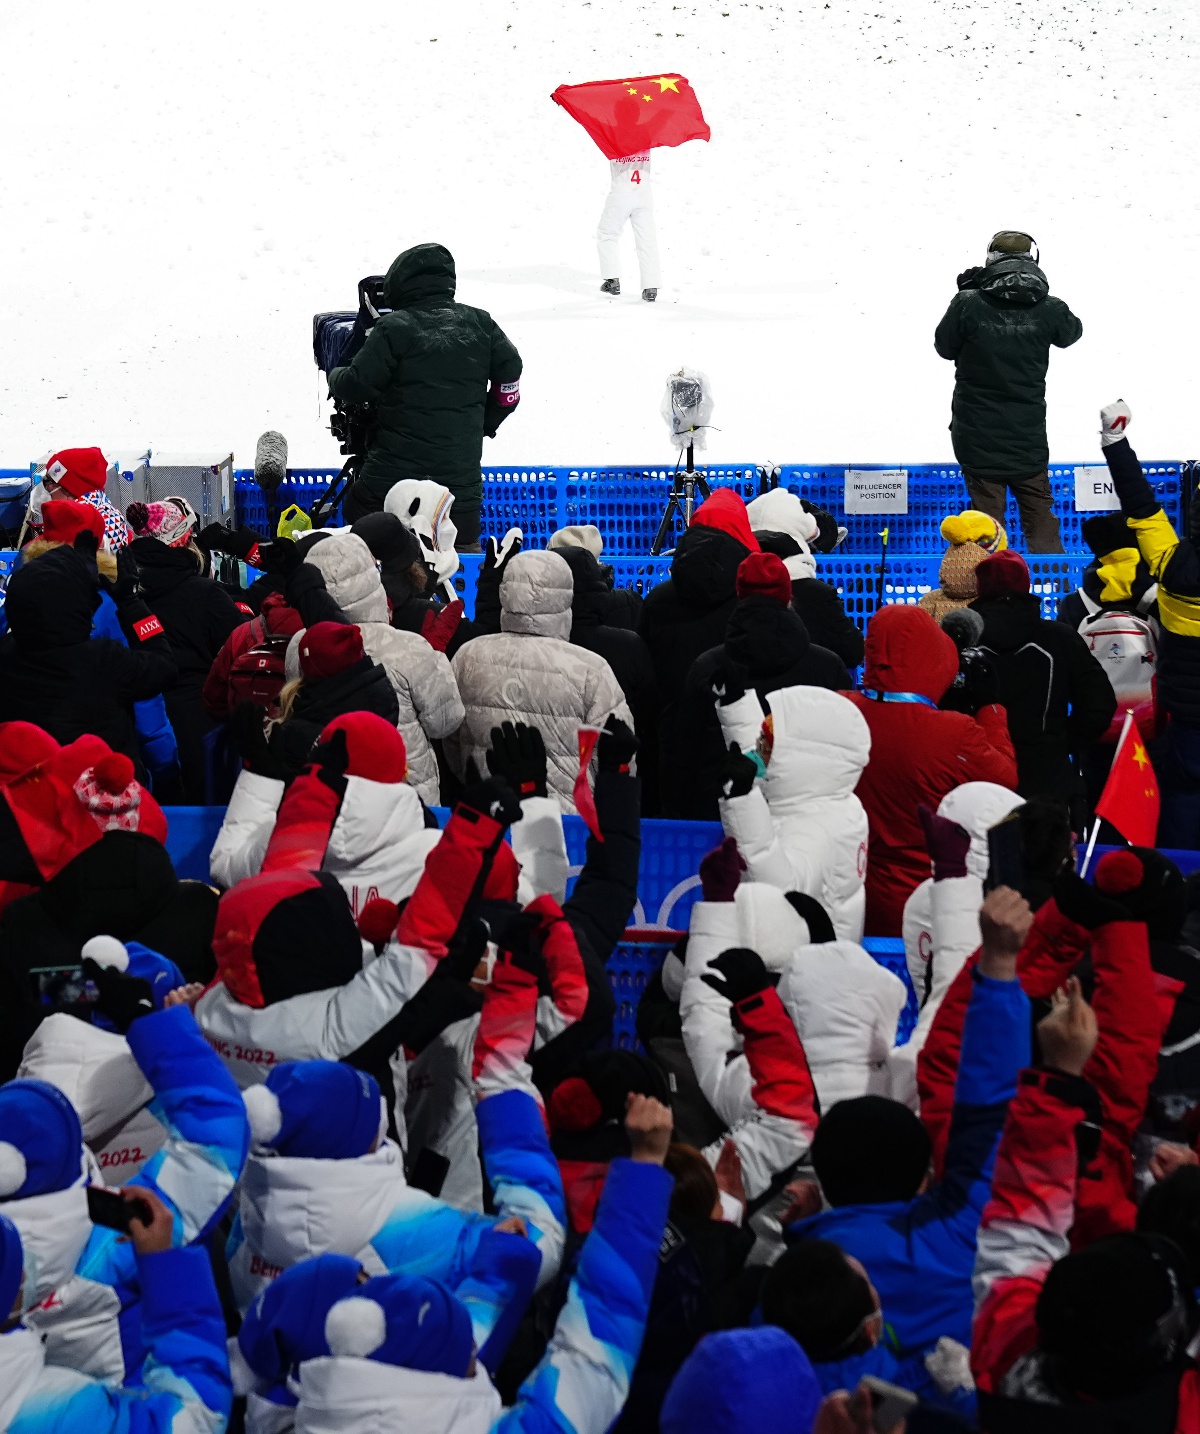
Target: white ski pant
x=638, y=208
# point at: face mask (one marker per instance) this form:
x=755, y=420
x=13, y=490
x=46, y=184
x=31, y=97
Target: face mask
x=37, y=496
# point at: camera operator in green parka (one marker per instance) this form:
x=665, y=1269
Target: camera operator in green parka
x=438, y=376
x=998, y=330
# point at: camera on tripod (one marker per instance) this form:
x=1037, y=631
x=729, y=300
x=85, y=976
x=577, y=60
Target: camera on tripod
x=337, y=337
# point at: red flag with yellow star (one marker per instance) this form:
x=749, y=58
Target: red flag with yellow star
x=628, y=116
x=1130, y=798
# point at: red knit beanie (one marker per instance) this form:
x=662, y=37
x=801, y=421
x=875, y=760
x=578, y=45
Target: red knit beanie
x=764, y=575
x=1001, y=574
x=374, y=749
x=23, y=745
x=63, y=520
x=328, y=648
x=726, y=511
x=78, y=470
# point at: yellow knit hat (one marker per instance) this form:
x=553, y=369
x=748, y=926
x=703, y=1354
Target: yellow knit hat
x=972, y=526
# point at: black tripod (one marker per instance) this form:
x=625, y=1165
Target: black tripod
x=683, y=494
x=323, y=510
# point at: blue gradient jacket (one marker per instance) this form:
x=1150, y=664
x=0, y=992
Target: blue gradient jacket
x=84, y=1278
x=184, y=1385
x=156, y=736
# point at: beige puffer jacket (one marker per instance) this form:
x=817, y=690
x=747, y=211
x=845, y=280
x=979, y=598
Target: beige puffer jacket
x=430, y=706
x=530, y=673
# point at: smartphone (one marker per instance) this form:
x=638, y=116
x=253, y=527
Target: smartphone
x=889, y=1404
x=1006, y=854
x=110, y=1209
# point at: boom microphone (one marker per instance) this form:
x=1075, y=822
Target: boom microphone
x=964, y=625
x=270, y=461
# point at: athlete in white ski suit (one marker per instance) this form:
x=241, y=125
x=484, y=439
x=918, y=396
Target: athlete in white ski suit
x=631, y=198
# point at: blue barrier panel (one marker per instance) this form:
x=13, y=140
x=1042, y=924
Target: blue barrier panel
x=627, y=502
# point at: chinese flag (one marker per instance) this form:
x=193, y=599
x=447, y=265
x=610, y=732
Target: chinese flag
x=1130, y=796
x=629, y=116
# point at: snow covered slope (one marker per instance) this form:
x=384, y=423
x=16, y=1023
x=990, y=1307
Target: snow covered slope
x=184, y=186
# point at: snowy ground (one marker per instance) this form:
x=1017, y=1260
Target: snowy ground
x=184, y=187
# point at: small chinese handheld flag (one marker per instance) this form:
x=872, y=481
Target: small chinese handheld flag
x=1130, y=798
x=628, y=116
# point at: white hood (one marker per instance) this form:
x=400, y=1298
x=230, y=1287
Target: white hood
x=380, y=832
x=351, y=577
x=362, y=1396
x=822, y=743
x=54, y=1228
x=782, y=512
x=976, y=806
x=536, y=594
x=424, y=506
x=769, y=923
x=293, y=1208
x=94, y=1069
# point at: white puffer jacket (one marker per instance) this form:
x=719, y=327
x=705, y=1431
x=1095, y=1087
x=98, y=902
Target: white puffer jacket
x=844, y=1004
x=430, y=706
x=802, y=828
x=531, y=673
x=941, y=921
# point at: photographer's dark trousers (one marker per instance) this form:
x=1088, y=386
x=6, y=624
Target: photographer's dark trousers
x=1034, y=502
x=361, y=500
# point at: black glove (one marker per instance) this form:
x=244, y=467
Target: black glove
x=729, y=683
x=125, y=585
x=330, y=757
x=250, y=735
x=493, y=798
x=738, y=772
x=86, y=543
x=617, y=746
x=492, y=569
x=518, y=756
x=827, y=527
x=466, y=950
x=742, y=975
x=1084, y=904
x=281, y=557
x=969, y=278
x=523, y=943
x=123, y=998
x=217, y=538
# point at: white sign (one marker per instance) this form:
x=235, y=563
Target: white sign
x=876, y=490
x=1094, y=491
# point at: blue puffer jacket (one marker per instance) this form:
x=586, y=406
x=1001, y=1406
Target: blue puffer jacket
x=156, y=736
x=920, y=1253
x=184, y=1386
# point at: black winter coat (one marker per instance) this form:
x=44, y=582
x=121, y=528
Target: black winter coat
x=769, y=645
x=53, y=673
x=998, y=330
x=1056, y=694
x=425, y=370
x=822, y=613
x=197, y=614
x=361, y=687
x=685, y=616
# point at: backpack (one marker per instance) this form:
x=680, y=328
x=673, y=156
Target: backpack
x=1126, y=645
x=258, y=673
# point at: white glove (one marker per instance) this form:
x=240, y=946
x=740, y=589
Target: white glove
x=949, y=1366
x=1114, y=420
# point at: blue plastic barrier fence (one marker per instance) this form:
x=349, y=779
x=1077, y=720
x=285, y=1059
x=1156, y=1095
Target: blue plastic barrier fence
x=627, y=503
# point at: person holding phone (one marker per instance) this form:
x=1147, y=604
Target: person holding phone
x=183, y=1386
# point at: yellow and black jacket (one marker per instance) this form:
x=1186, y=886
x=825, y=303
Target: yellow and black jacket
x=1175, y=565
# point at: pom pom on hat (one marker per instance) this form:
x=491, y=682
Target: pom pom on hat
x=972, y=526
x=355, y=1327
x=13, y=1171
x=328, y=648
x=574, y=1106
x=263, y=1112
x=114, y=773
x=106, y=951
x=1119, y=872
x=170, y=522
x=377, y=920
x=764, y=575
x=1002, y=574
